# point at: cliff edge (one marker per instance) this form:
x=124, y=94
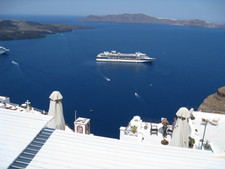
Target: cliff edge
x=214, y=103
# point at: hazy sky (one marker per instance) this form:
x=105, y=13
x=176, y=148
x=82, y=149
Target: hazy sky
x=210, y=10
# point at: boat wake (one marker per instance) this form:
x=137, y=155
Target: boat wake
x=104, y=77
x=19, y=70
x=139, y=98
x=107, y=79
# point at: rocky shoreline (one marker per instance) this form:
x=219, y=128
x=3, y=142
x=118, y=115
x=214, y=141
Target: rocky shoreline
x=19, y=29
x=214, y=103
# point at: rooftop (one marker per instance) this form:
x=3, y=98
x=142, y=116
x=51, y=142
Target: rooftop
x=73, y=150
x=214, y=129
x=212, y=124
x=18, y=129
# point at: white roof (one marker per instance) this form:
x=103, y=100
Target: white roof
x=74, y=150
x=17, y=130
x=214, y=132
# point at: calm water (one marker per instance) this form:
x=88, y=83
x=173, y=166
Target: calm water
x=189, y=66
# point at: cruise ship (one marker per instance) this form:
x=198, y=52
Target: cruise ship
x=3, y=50
x=115, y=56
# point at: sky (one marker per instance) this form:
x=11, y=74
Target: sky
x=209, y=10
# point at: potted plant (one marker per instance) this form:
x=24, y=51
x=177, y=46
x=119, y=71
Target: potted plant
x=192, y=117
x=191, y=142
x=133, y=129
x=164, y=142
x=207, y=145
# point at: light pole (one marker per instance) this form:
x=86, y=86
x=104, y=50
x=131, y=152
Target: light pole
x=206, y=122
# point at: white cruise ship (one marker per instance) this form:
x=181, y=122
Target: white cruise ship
x=3, y=50
x=115, y=56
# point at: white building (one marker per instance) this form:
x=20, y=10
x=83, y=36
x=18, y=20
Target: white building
x=212, y=124
x=25, y=142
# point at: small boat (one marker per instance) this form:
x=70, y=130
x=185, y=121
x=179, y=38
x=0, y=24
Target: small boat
x=15, y=63
x=136, y=94
x=108, y=79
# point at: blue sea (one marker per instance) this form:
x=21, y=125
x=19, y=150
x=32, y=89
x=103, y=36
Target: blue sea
x=189, y=66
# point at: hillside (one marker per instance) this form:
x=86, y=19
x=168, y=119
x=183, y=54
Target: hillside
x=141, y=18
x=18, y=29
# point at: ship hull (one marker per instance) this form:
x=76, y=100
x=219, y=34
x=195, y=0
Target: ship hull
x=125, y=60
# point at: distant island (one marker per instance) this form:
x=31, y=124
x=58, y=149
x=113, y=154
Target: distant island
x=141, y=18
x=19, y=29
